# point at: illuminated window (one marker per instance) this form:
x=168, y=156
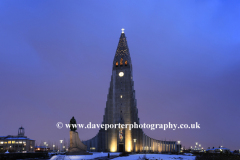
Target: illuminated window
x=16, y=142
x=5, y=142
x=1, y=142
x=121, y=96
x=20, y=142
x=121, y=62
x=24, y=141
x=13, y=142
x=125, y=63
x=9, y=142
x=116, y=64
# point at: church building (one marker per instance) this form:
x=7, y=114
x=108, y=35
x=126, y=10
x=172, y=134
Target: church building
x=121, y=107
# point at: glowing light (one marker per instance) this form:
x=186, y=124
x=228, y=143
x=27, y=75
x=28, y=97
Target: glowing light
x=113, y=145
x=121, y=74
x=121, y=62
x=122, y=30
x=129, y=149
x=113, y=149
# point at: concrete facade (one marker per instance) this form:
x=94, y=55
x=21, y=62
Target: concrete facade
x=121, y=107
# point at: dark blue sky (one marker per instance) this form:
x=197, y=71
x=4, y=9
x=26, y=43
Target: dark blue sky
x=56, y=61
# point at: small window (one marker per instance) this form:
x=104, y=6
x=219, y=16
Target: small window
x=116, y=64
x=125, y=63
x=121, y=62
x=121, y=96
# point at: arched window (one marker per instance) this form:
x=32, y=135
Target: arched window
x=116, y=64
x=121, y=62
x=125, y=63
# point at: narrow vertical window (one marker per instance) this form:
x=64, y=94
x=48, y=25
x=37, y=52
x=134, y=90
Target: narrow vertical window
x=125, y=63
x=121, y=62
x=116, y=64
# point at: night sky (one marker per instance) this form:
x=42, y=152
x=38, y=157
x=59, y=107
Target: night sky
x=56, y=62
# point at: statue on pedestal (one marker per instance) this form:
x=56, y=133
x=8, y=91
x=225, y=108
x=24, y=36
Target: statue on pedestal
x=76, y=146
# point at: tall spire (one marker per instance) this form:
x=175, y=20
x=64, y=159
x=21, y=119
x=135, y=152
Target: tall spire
x=122, y=49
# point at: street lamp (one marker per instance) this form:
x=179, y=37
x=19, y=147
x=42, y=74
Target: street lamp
x=61, y=144
x=63, y=148
x=134, y=140
x=45, y=144
x=53, y=147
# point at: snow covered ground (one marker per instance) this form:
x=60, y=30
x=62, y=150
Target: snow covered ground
x=131, y=157
x=79, y=157
x=157, y=156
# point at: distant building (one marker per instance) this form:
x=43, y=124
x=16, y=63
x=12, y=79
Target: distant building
x=41, y=149
x=19, y=143
x=218, y=150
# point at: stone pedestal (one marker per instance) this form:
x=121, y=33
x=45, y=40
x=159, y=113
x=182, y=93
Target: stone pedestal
x=76, y=146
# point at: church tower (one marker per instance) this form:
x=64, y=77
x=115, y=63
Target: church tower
x=121, y=102
x=121, y=108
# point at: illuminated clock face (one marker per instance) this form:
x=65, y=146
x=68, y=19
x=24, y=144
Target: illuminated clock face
x=121, y=74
